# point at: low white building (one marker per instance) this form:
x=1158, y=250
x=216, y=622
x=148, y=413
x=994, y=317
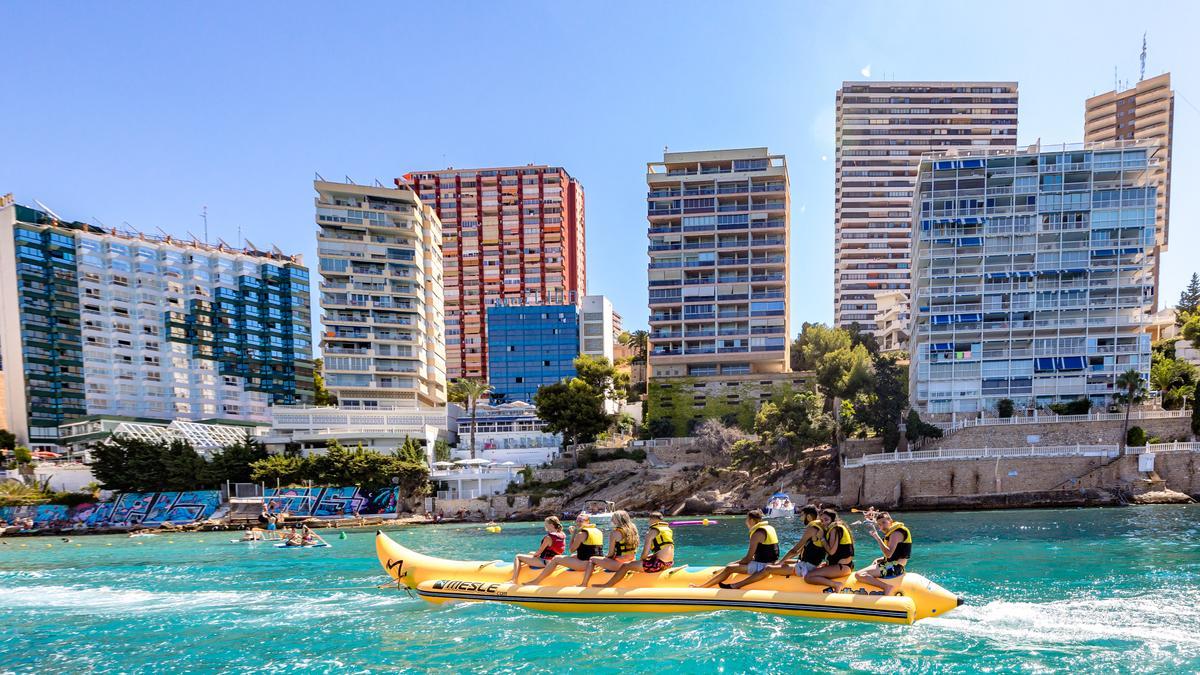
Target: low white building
x=472, y=479
x=381, y=429
x=207, y=436
x=509, y=432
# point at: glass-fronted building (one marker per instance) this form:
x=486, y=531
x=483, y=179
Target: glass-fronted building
x=100, y=322
x=1033, y=275
x=530, y=346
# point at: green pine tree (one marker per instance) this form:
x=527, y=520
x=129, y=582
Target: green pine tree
x=1189, y=301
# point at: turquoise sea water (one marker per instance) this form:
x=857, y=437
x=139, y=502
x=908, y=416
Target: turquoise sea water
x=1096, y=590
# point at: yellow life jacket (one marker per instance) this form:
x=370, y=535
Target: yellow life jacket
x=819, y=540
x=768, y=550
x=846, y=537
x=897, y=525
x=904, y=548
x=595, y=537
x=771, y=537
x=845, y=544
x=814, y=551
x=664, y=537
x=625, y=546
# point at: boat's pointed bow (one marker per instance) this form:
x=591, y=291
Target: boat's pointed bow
x=933, y=600
x=392, y=556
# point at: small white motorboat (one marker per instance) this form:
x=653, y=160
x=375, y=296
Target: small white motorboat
x=780, y=506
x=598, y=511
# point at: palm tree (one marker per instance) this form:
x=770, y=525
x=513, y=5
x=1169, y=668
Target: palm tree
x=638, y=341
x=469, y=390
x=1132, y=390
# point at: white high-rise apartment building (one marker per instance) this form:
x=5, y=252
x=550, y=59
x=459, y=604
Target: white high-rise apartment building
x=97, y=323
x=883, y=129
x=718, y=263
x=1033, y=274
x=380, y=252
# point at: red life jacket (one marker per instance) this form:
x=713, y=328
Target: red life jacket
x=558, y=544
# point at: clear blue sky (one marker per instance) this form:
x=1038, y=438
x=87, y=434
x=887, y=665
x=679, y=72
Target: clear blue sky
x=145, y=112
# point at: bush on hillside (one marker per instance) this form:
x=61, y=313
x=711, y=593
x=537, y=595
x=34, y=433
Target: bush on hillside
x=1080, y=406
x=1136, y=437
x=1005, y=407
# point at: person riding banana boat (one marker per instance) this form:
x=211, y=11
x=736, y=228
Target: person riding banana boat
x=839, y=554
x=895, y=541
x=586, y=543
x=658, y=551
x=810, y=551
x=622, y=549
x=762, y=551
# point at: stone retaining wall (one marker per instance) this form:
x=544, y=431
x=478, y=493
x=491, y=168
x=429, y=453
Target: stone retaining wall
x=549, y=475
x=611, y=465
x=1071, y=433
x=963, y=481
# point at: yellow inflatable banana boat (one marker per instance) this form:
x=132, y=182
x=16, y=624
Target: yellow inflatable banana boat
x=438, y=580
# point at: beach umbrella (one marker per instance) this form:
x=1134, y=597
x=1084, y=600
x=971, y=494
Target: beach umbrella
x=474, y=462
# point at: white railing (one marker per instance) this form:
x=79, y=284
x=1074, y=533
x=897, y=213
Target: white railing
x=1066, y=419
x=984, y=453
x=662, y=442
x=1155, y=448
x=1106, y=451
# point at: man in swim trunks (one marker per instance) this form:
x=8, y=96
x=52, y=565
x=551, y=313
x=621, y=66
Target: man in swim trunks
x=762, y=551
x=810, y=548
x=896, y=543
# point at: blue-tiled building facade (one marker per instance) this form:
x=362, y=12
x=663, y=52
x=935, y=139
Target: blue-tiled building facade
x=1034, y=275
x=530, y=346
x=104, y=323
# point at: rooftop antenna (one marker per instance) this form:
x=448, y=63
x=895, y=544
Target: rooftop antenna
x=164, y=233
x=102, y=225
x=1116, y=82
x=319, y=177
x=1143, y=75
x=204, y=215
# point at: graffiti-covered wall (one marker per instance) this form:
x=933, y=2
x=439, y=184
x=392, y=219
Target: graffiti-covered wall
x=330, y=501
x=127, y=510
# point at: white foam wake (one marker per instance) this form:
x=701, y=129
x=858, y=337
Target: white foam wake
x=1169, y=619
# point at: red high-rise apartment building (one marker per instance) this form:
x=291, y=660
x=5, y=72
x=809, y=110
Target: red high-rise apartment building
x=509, y=235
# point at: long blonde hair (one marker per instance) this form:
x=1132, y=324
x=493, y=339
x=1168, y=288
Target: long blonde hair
x=624, y=524
x=555, y=523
